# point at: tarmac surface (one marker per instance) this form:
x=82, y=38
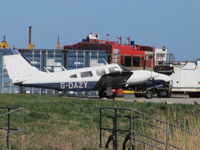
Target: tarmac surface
x=175, y=98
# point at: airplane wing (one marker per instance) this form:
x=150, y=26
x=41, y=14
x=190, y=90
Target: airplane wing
x=113, y=80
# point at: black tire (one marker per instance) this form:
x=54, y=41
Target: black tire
x=109, y=97
x=169, y=94
x=102, y=93
x=148, y=94
x=162, y=94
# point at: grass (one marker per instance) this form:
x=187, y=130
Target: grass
x=57, y=123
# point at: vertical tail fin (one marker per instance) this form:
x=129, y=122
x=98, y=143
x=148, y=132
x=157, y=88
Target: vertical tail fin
x=17, y=67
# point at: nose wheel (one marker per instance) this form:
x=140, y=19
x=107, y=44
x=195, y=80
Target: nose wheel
x=111, y=93
x=102, y=93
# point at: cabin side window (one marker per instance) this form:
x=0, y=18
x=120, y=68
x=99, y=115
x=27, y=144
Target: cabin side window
x=100, y=72
x=86, y=74
x=73, y=76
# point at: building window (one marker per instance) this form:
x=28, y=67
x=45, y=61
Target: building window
x=100, y=72
x=127, y=61
x=86, y=74
x=131, y=61
x=136, y=62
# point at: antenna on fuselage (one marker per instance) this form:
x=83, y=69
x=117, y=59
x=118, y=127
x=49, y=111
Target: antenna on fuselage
x=106, y=63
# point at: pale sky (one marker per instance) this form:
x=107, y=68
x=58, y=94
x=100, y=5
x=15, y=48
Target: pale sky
x=171, y=23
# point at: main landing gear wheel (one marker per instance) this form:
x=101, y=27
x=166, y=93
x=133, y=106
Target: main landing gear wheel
x=169, y=94
x=162, y=94
x=148, y=94
x=102, y=93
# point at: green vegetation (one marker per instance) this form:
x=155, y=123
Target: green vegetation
x=59, y=123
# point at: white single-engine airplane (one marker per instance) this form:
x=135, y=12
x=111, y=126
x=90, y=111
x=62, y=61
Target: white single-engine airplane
x=102, y=78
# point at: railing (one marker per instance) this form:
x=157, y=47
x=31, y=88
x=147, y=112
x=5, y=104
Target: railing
x=11, y=123
x=135, y=130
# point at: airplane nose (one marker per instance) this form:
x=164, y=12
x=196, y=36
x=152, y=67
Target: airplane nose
x=163, y=77
x=139, y=77
x=154, y=74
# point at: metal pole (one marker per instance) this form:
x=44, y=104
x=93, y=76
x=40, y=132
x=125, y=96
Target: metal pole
x=40, y=54
x=1, y=72
x=134, y=135
x=100, y=145
x=115, y=142
x=167, y=137
x=76, y=58
x=8, y=130
x=131, y=127
x=22, y=129
x=33, y=58
x=46, y=65
x=54, y=59
x=154, y=60
x=30, y=35
x=65, y=59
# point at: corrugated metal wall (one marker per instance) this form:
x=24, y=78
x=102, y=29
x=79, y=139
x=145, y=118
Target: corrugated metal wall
x=84, y=58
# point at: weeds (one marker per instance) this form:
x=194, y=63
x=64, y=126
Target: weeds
x=54, y=123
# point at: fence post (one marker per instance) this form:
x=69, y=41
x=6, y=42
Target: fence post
x=115, y=142
x=8, y=130
x=100, y=124
x=131, y=140
x=22, y=129
x=167, y=137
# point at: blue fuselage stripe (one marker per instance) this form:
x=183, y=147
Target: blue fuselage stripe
x=66, y=86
